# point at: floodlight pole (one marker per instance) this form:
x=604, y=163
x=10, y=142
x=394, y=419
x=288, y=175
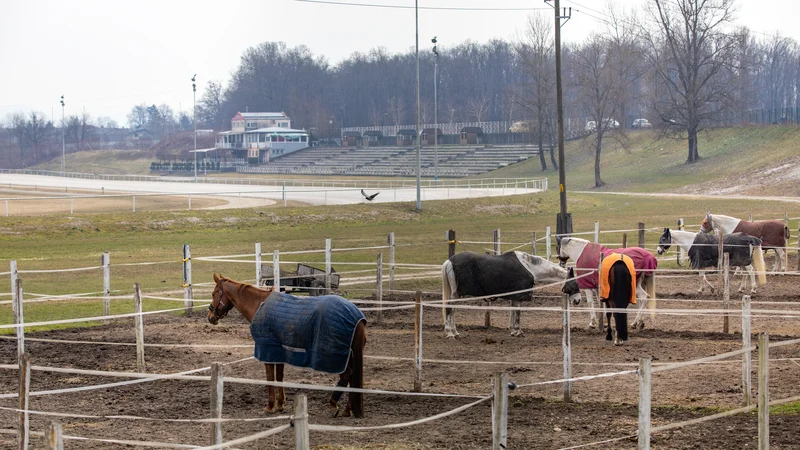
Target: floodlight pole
x=435, y=114
x=419, y=164
x=194, y=122
x=63, y=144
x=564, y=225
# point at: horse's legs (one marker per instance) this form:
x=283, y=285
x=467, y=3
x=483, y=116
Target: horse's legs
x=621, y=325
x=450, y=321
x=280, y=404
x=704, y=282
x=515, y=328
x=270, y=408
x=781, y=259
x=608, y=326
x=344, y=380
x=641, y=298
x=590, y=302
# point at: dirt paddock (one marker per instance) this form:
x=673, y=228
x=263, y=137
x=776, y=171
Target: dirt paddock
x=602, y=409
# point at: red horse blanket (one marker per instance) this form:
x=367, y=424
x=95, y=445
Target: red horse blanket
x=589, y=260
x=773, y=233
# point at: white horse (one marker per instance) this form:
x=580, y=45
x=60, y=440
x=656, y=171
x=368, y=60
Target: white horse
x=479, y=275
x=686, y=239
x=774, y=234
x=573, y=247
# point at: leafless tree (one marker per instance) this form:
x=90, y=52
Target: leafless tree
x=211, y=106
x=137, y=117
x=32, y=132
x=79, y=129
x=395, y=109
x=691, y=48
x=478, y=107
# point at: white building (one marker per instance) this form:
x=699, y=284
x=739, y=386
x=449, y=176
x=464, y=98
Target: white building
x=261, y=136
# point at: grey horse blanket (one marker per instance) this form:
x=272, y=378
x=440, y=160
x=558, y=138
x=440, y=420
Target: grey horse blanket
x=313, y=332
x=479, y=275
x=773, y=233
x=705, y=250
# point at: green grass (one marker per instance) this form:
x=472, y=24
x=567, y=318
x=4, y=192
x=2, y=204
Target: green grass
x=785, y=409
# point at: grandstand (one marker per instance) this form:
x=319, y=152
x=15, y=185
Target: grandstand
x=454, y=160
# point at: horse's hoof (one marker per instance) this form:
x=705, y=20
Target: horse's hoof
x=619, y=343
x=345, y=413
x=269, y=409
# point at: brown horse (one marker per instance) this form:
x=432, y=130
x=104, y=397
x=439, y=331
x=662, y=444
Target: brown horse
x=248, y=299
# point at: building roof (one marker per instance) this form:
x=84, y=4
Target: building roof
x=477, y=130
x=351, y=134
x=263, y=115
x=430, y=131
x=407, y=132
x=281, y=130
x=203, y=150
x=373, y=133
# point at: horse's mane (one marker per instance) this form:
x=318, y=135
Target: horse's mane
x=248, y=292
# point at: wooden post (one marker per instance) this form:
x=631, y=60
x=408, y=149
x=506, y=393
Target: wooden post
x=600, y=305
x=300, y=421
x=53, y=436
x=798, y=248
x=624, y=240
x=392, y=247
x=645, y=364
x=258, y=264
x=548, y=242
x=487, y=315
x=499, y=410
x=451, y=243
x=566, y=347
x=641, y=234
x=190, y=201
x=763, y=391
x=106, y=263
x=680, y=249
x=187, y=279
x=379, y=286
x=217, y=385
x=721, y=252
x=19, y=319
x=276, y=270
x=747, y=356
x=726, y=292
x=327, y=266
x=418, y=341
x=137, y=308
x=533, y=244
x=23, y=429
x=597, y=232
x=134, y=203
x=14, y=276
x=749, y=217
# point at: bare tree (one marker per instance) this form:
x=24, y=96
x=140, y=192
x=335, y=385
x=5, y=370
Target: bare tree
x=79, y=129
x=478, y=107
x=32, y=132
x=396, y=111
x=210, y=110
x=138, y=117
x=691, y=50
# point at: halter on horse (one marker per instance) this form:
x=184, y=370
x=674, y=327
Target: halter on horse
x=586, y=256
x=256, y=304
x=512, y=273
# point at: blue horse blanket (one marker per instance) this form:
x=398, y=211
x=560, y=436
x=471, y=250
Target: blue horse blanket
x=313, y=332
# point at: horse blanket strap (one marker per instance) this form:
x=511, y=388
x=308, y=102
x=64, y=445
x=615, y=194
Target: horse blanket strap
x=313, y=332
x=644, y=262
x=773, y=233
x=605, y=268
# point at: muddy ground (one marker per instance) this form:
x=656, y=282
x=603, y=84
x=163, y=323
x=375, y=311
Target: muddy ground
x=538, y=419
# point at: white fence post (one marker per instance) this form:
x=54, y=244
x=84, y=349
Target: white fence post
x=14, y=275
x=392, y=247
x=217, y=385
x=276, y=271
x=134, y=203
x=258, y=264
x=23, y=429
x=138, y=322
x=726, y=292
x=763, y=391
x=566, y=347
x=499, y=410
x=19, y=319
x=747, y=357
x=300, y=421
x=533, y=244
x=418, y=341
x=53, y=436
x=645, y=365
x=379, y=286
x=547, y=239
x=190, y=201
x=327, y=266
x=187, y=279
x=106, y=262
x=597, y=232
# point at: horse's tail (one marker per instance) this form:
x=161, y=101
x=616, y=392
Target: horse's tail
x=759, y=265
x=649, y=285
x=357, y=379
x=786, y=232
x=446, y=289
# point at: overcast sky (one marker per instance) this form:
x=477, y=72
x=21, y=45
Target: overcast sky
x=107, y=56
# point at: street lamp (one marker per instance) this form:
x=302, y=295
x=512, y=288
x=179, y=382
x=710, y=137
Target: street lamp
x=194, y=121
x=419, y=164
x=63, y=145
x=435, y=114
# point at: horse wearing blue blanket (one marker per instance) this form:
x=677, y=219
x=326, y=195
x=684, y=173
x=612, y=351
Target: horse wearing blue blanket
x=325, y=333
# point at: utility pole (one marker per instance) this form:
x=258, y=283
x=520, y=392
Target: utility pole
x=435, y=114
x=564, y=219
x=194, y=120
x=63, y=144
x=419, y=164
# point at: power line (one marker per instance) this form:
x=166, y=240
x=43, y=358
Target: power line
x=434, y=8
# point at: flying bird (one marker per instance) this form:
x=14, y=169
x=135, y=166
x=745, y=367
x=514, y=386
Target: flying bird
x=369, y=197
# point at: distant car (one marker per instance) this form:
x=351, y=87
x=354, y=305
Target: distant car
x=641, y=123
x=591, y=126
x=519, y=127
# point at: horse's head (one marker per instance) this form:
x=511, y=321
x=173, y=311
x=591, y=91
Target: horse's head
x=221, y=302
x=571, y=287
x=561, y=243
x=707, y=226
x=665, y=242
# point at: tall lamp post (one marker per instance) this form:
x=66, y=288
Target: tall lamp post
x=194, y=121
x=419, y=164
x=435, y=114
x=63, y=145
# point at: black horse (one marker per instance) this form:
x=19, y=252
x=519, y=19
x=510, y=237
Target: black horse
x=618, y=289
